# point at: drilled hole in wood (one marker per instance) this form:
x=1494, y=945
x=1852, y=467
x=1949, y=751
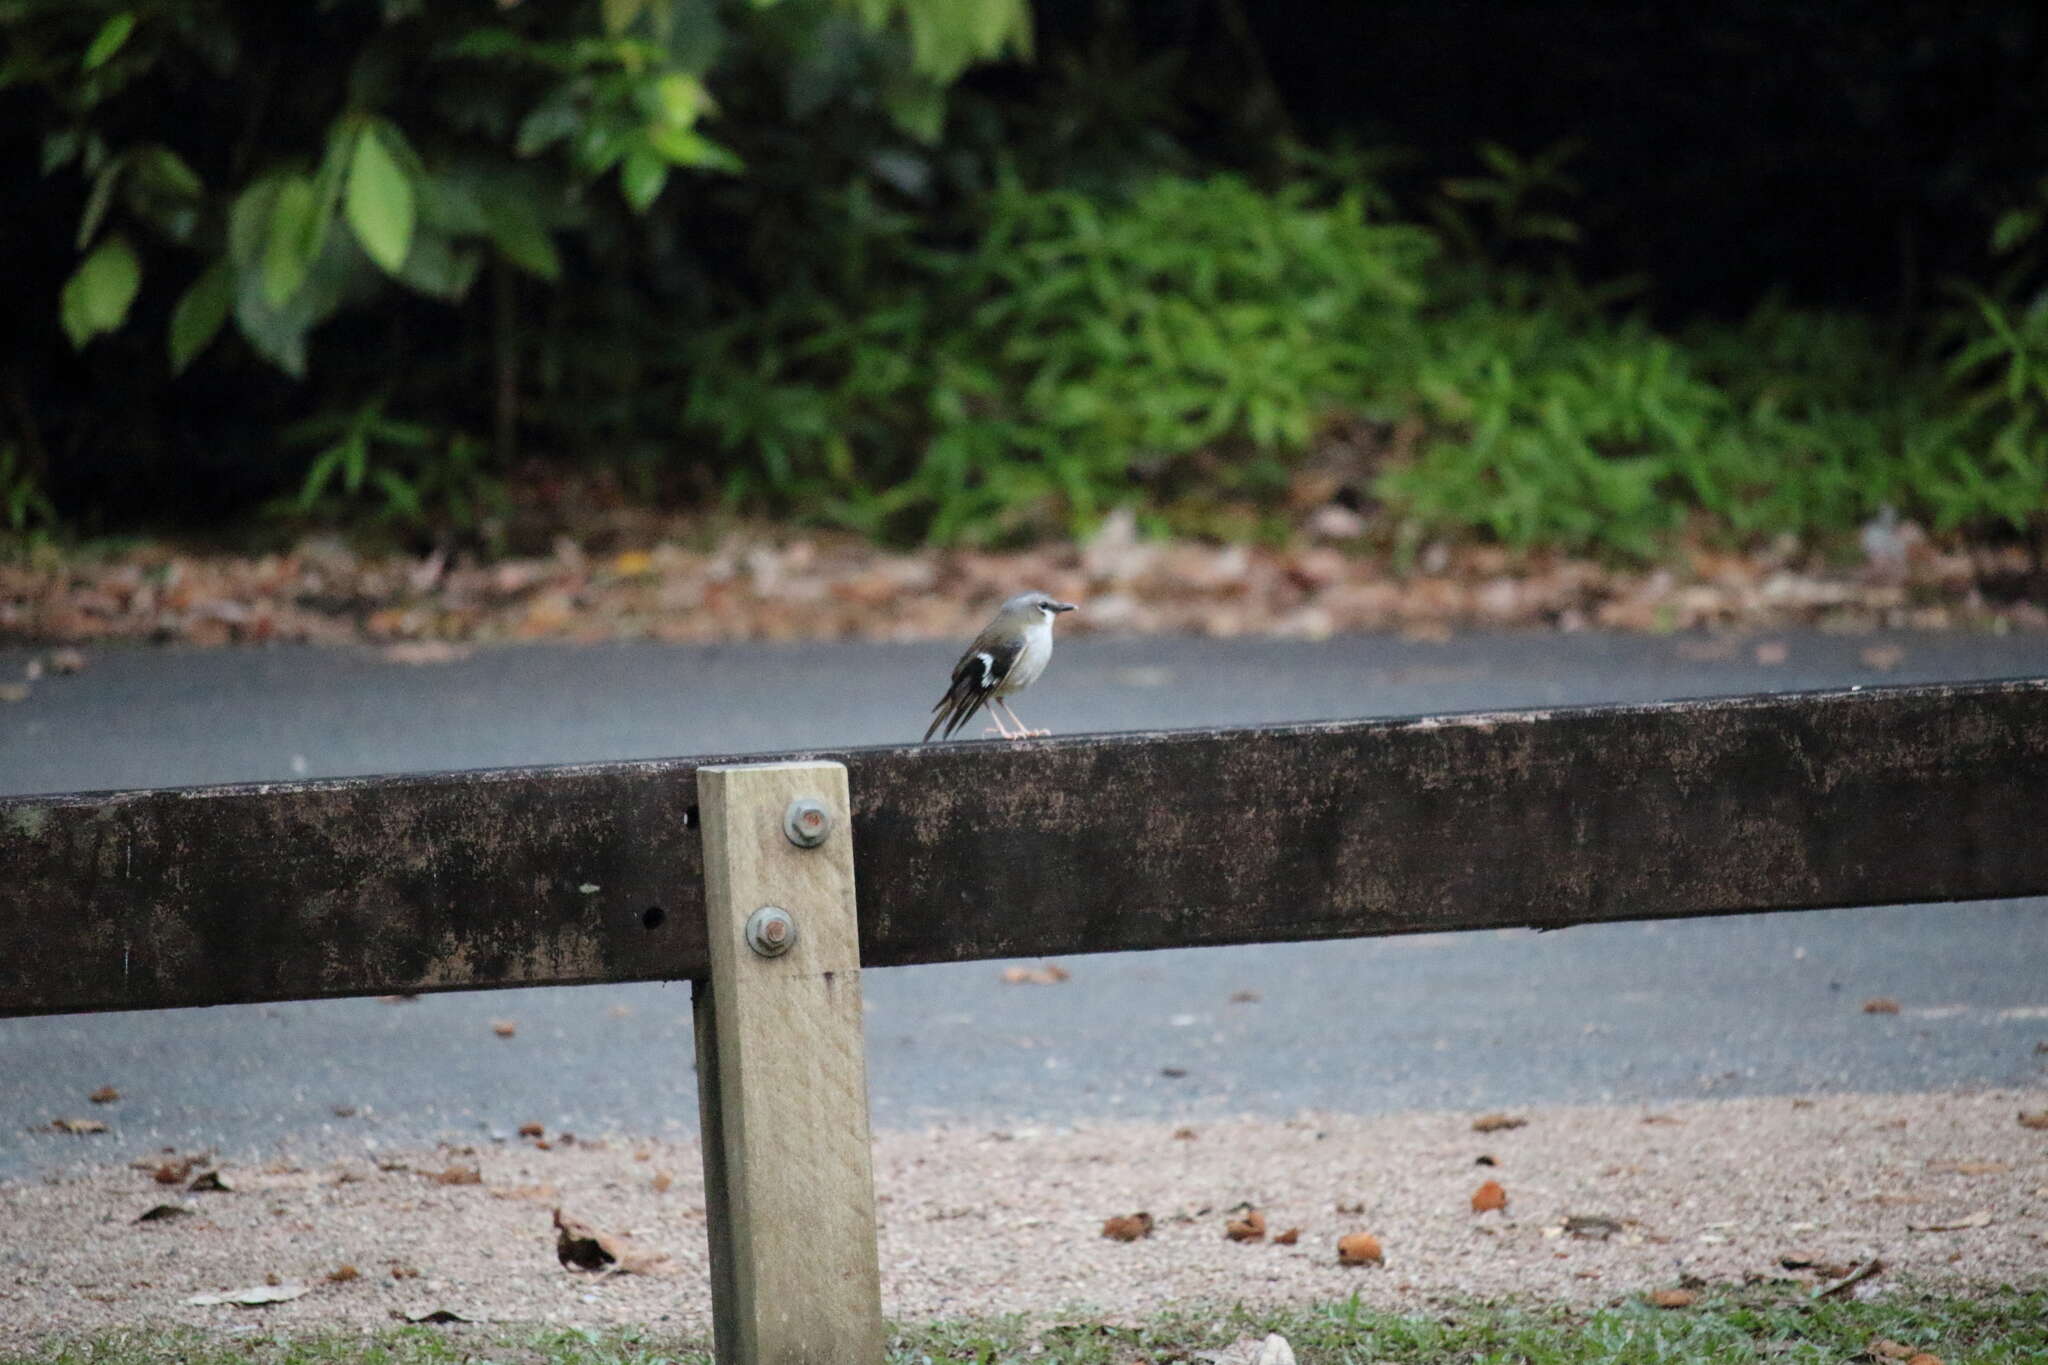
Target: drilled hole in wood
x=652, y=916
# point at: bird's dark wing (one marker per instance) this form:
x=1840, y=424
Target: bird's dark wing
x=980, y=671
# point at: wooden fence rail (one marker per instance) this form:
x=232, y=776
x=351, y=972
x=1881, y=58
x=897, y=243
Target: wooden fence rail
x=150, y=899
x=803, y=871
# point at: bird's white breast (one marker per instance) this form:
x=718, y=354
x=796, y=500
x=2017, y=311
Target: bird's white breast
x=1031, y=662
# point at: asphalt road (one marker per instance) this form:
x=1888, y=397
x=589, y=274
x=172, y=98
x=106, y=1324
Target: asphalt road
x=1633, y=1013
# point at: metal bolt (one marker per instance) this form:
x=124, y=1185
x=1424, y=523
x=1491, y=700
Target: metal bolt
x=771, y=931
x=807, y=822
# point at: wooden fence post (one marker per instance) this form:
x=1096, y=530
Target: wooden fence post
x=781, y=1071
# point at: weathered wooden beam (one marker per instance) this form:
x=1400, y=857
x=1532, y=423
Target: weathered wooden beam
x=789, y=1186
x=1083, y=844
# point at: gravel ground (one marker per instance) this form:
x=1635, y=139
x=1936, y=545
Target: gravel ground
x=976, y=1221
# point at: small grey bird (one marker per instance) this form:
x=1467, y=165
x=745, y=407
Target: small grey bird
x=1004, y=659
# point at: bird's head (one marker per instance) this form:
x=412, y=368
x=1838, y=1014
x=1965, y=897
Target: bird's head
x=1027, y=607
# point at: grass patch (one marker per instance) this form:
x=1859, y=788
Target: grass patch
x=1763, y=1323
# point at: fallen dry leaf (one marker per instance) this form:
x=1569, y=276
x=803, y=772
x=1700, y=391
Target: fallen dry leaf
x=1661, y=1120
x=1287, y=1238
x=173, y=1172
x=2038, y=1119
x=400, y=1271
x=1244, y=997
x=417, y=653
x=1489, y=1198
x=1673, y=1298
x=1359, y=1248
x=1880, y=1004
x=429, y=1315
x=582, y=1246
x=1884, y=1348
x=459, y=1175
x=662, y=1180
x=504, y=1028
x=106, y=1094
x=1494, y=1123
x=538, y=1194
x=1980, y=1219
x=1128, y=1227
x=1050, y=974
x=1250, y=1228
x=254, y=1296
x=1844, y=1281
x=1274, y=1350
x=1597, y=1227
x=1924, y=1358
x=163, y=1213
x=78, y=1126
x=532, y=1130
x=209, y=1181
x=1183, y=1135
x=342, y=1274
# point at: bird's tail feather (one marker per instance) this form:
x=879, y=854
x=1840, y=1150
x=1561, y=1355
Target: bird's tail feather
x=954, y=710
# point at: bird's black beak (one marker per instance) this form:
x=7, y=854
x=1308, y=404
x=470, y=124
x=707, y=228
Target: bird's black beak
x=1059, y=606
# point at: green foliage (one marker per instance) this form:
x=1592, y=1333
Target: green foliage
x=96, y=299
x=1769, y=1323
x=768, y=252
x=1999, y=370
x=25, y=510
x=425, y=145
x=1072, y=350
x=397, y=474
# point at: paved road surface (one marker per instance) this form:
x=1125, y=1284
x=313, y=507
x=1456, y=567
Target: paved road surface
x=1749, y=1005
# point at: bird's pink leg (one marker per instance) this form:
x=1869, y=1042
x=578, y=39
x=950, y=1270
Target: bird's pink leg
x=1023, y=731
x=1001, y=729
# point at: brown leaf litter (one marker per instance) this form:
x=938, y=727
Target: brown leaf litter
x=1047, y=974
x=690, y=580
x=584, y=1246
x=1359, y=1248
x=1489, y=1198
x=978, y=1222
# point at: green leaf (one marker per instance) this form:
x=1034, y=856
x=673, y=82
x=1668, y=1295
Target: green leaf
x=97, y=296
x=917, y=106
x=437, y=267
x=688, y=147
x=553, y=120
x=99, y=201
x=61, y=148
x=679, y=99
x=620, y=14
x=112, y=34
x=642, y=177
x=380, y=202
x=200, y=312
x=278, y=332
x=164, y=171
x=294, y=238
x=519, y=235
